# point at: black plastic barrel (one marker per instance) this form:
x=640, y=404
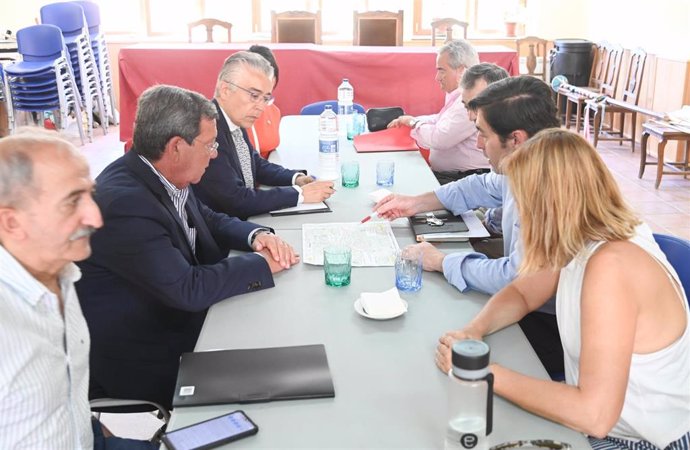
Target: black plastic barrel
x=572, y=58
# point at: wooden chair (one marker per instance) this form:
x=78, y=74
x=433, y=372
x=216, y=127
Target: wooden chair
x=383, y=28
x=209, y=24
x=664, y=133
x=608, y=86
x=537, y=49
x=296, y=27
x=631, y=95
x=446, y=26
x=599, y=65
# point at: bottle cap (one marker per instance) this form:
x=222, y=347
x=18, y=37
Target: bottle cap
x=471, y=356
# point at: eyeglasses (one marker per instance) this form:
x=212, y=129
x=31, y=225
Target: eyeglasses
x=255, y=96
x=210, y=148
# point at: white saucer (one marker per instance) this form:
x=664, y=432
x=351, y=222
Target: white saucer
x=360, y=311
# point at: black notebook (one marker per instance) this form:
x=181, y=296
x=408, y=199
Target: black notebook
x=302, y=208
x=253, y=375
x=441, y=222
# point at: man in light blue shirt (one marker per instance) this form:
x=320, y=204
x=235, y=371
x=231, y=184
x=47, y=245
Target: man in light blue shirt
x=508, y=112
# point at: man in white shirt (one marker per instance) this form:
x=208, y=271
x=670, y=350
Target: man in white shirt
x=450, y=135
x=46, y=217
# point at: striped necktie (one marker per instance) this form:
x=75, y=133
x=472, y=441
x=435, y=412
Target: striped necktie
x=245, y=157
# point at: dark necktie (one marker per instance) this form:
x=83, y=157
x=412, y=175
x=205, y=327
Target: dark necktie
x=244, y=156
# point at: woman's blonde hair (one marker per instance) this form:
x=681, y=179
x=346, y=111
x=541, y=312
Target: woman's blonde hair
x=566, y=196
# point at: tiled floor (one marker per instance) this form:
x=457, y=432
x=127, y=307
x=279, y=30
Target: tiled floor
x=667, y=210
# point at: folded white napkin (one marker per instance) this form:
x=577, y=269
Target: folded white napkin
x=383, y=304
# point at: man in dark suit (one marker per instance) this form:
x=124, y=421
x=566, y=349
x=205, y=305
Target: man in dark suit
x=242, y=92
x=162, y=257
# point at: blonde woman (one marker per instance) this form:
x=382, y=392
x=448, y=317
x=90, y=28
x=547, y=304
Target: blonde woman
x=622, y=314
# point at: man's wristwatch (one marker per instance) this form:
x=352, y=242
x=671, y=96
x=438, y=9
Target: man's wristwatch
x=413, y=122
x=258, y=232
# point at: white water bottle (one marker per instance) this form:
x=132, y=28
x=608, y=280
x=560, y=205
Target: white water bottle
x=346, y=98
x=328, y=145
x=470, y=397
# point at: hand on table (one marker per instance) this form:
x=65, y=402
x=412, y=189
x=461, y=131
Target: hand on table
x=301, y=180
x=444, y=350
x=279, y=254
x=317, y=191
x=432, y=258
x=394, y=206
x=401, y=121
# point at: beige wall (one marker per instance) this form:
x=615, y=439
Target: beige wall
x=662, y=27
x=18, y=14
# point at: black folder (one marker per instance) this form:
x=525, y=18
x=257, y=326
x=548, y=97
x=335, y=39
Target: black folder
x=304, y=208
x=446, y=223
x=253, y=375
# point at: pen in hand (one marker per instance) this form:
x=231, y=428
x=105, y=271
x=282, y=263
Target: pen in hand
x=369, y=217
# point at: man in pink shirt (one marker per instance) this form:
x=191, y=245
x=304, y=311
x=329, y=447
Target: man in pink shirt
x=450, y=135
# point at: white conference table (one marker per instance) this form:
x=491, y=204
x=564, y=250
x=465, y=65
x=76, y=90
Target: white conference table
x=388, y=391
x=299, y=149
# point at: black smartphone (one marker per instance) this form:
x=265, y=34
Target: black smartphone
x=211, y=433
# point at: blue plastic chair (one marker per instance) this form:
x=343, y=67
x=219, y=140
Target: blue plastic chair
x=314, y=109
x=43, y=81
x=70, y=18
x=92, y=14
x=67, y=16
x=677, y=252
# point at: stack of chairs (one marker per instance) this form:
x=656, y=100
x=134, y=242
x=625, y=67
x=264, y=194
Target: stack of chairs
x=69, y=18
x=92, y=14
x=4, y=94
x=43, y=80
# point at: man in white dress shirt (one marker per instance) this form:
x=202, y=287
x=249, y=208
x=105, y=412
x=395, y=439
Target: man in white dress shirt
x=46, y=217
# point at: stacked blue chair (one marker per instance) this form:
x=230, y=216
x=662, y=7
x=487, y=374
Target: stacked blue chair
x=4, y=94
x=43, y=80
x=69, y=17
x=92, y=15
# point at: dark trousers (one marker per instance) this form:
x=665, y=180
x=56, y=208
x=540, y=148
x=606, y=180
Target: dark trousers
x=100, y=442
x=541, y=330
x=491, y=247
x=455, y=175
x=153, y=381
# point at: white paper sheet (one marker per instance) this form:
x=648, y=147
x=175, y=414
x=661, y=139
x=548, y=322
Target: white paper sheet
x=372, y=243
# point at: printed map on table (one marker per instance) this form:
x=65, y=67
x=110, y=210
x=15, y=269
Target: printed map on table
x=372, y=243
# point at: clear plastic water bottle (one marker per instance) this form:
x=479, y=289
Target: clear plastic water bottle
x=346, y=98
x=328, y=145
x=470, y=397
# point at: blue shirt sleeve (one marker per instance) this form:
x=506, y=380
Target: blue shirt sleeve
x=472, y=192
x=472, y=270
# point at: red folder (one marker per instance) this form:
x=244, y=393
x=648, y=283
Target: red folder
x=388, y=140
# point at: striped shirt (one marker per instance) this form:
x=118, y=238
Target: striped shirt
x=179, y=199
x=44, y=368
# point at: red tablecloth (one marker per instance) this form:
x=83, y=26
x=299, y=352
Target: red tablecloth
x=381, y=76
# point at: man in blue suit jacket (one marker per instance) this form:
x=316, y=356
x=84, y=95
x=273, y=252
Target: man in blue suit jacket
x=161, y=258
x=242, y=92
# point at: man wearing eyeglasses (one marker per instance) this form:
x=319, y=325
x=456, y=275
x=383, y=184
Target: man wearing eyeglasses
x=161, y=259
x=242, y=92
